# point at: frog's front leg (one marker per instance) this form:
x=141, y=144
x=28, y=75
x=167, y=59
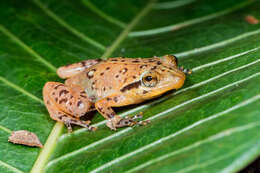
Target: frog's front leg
x=70, y=70
x=67, y=104
x=115, y=121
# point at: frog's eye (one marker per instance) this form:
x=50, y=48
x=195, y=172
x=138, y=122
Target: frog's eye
x=149, y=80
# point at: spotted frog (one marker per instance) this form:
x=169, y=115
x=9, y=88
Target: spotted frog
x=102, y=84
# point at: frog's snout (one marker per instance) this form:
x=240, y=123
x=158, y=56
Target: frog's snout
x=179, y=81
x=178, y=78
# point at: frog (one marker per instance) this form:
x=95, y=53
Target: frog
x=101, y=85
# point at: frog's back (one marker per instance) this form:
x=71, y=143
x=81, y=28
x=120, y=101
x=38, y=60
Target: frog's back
x=109, y=76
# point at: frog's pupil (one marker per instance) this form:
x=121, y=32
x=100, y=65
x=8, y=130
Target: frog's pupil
x=148, y=78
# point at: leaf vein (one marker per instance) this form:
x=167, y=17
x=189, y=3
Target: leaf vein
x=67, y=26
x=105, y=16
x=217, y=159
x=19, y=89
x=5, y=129
x=127, y=29
x=27, y=48
x=160, y=141
x=13, y=169
x=187, y=23
x=217, y=45
x=212, y=138
x=172, y=4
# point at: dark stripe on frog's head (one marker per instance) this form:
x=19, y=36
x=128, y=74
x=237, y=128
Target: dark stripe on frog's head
x=131, y=86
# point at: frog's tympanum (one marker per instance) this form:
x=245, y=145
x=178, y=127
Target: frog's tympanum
x=103, y=84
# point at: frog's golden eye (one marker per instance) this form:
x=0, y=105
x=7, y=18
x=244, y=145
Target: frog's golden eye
x=149, y=80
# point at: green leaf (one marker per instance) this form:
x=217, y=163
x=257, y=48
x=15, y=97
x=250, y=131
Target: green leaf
x=211, y=124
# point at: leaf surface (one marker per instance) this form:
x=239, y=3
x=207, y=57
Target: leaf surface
x=211, y=124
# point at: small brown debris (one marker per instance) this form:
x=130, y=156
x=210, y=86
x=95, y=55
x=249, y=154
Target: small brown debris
x=25, y=138
x=251, y=20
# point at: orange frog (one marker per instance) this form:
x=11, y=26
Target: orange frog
x=103, y=84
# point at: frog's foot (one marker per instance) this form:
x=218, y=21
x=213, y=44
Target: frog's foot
x=186, y=71
x=126, y=121
x=66, y=104
x=69, y=121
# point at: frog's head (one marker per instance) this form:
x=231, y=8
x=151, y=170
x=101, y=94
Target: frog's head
x=163, y=77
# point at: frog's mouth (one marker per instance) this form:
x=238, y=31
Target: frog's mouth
x=178, y=73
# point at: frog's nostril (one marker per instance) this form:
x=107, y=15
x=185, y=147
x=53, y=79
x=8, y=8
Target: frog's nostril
x=176, y=60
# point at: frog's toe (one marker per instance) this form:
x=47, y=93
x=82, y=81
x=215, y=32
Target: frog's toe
x=111, y=125
x=131, y=121
x=143, y=123
x=68, y=121
x=186, y=71
x=126, y=122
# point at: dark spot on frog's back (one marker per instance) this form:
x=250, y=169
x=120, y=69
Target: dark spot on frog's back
x=154, y=67
x=136, y=61
x=56, y=87
x=124, y=70
x=63, y=100
x=79, y=103
x=131, y=86
x=115, y=99
x=159, y=63
x=90, y=74
x=107, y=68
x=63, y=92
x=83, y=63
x=83, y=96
x=143, y=66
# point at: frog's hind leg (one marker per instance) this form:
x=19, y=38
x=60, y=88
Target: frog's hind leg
x=66, y=104
x=68, y=71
